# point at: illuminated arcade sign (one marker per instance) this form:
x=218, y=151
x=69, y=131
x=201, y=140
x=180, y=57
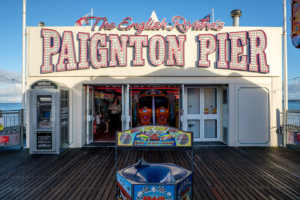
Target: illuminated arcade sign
x=154, y=136
x=179, y=22
x=295, y=23
x=93, y=50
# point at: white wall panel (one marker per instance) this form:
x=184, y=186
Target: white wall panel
x=253, y=115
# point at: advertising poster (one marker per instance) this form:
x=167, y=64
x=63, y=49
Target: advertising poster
x=44, y=139
x=162, y=136
x=4, y=139
x=123, y=189
x=154, y=192
x=9, y=139
x=293, y=138
x=184, y=189
x=1, y=124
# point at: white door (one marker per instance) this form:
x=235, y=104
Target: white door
x=89, y=113
x=211, y=121
x=202, y=116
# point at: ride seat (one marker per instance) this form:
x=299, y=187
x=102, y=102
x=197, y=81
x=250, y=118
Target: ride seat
x=145, y=116
x=162, y=115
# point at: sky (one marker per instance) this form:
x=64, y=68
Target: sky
x=258, y=13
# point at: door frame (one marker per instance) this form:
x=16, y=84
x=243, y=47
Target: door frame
x=126, y=112
x=88, y=116
x=201, y=116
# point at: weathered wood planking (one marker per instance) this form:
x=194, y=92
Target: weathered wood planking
x=89, y=173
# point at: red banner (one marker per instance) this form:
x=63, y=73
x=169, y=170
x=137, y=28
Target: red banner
x=4, y=139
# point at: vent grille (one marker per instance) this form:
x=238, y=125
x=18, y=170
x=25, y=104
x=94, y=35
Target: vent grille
x=225, y=96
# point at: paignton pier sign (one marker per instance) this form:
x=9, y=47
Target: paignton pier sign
x=179, y=22
x=95, y=52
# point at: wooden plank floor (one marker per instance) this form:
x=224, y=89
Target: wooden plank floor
x=89, y=173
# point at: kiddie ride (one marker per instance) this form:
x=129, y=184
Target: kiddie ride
x=153, y=108
x=154, y=181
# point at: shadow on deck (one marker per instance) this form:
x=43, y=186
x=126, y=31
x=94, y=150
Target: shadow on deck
x=89, y=173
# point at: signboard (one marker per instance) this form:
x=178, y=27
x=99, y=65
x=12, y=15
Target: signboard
x=154, y=136
x=4, y=139
x=295, y=23
x=123, y=188
x=43, y=85
x=53, y=43
x=9, y=139
x=44, y=140
x=154, y=192
x=184, y=188
x=180, y=23
x=1, y=124
x=293, y=138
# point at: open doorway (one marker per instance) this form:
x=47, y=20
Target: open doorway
x=154, y=105
x=192, y=108
x=107, y=112
x=140, y=105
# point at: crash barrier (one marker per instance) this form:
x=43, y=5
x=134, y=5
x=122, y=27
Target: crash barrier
x=11, y=129
x=164, y=181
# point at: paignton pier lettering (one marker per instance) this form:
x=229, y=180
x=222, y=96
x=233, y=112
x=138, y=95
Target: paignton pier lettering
x=95, y=52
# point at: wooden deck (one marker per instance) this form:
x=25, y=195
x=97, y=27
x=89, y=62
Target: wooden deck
x=89, y=173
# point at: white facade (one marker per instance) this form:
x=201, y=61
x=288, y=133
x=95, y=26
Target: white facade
x=253, y=97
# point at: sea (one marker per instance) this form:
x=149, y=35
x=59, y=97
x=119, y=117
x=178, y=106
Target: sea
x=17, y=106
x=10, y=106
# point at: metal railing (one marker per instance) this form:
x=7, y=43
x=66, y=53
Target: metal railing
x=288, y=124
x=293, y=120
x=11, y=128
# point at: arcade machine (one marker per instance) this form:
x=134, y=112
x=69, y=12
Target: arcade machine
x=153, y=108
x=159, y=181
x=48, y=117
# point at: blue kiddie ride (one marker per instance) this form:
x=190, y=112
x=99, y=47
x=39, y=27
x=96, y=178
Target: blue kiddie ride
x=154, y=181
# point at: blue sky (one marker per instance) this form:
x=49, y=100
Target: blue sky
x=66, y=12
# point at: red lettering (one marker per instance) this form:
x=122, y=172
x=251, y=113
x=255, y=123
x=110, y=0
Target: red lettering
x=135, y=25
x=156, y=26
x=112, y=26
x=106, y=25
x=153, y=198
x=177, y=24
x=141, y=28
x=124, y=22
x=147, y=24
x=163, y=24
x=184, y=192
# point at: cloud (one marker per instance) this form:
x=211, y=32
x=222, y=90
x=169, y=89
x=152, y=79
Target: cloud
x=10, y=90
x=294, y=90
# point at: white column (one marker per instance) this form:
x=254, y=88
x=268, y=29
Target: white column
x=23, y=57
x=285, y=75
